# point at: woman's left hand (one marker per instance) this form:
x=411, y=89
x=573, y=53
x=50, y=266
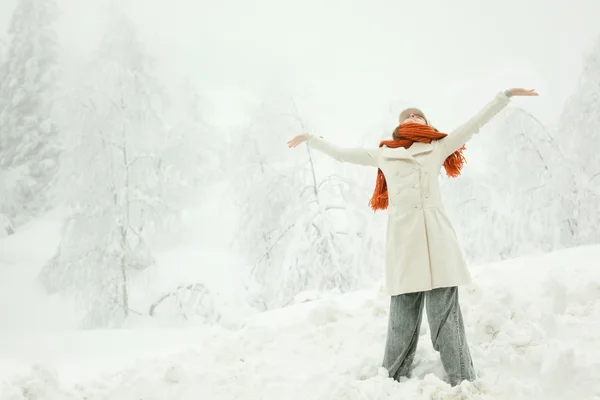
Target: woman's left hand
x=523, y=92
x=298, y=140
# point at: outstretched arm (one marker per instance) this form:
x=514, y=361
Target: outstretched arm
x=367, y=157
x=461, y=135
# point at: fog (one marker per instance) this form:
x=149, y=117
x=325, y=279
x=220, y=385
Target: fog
x=145, y=183
x=347, y=62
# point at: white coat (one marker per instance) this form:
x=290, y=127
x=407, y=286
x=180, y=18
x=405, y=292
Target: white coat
x=422, y=250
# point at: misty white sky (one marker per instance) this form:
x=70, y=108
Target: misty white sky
x=347, y=62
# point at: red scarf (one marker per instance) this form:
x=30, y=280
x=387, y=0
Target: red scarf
x=404, y=136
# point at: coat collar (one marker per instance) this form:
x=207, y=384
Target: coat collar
x=418, y=148
x=401, y=152
x=397, y=153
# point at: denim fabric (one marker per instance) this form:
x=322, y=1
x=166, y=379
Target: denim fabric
x=447, y=333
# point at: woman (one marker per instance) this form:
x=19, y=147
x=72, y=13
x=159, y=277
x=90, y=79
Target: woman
x=423, y=257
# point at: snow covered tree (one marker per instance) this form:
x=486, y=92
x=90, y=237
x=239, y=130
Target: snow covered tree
x=204, y=145
x=580, y=138
x=300, y=226
x=29, y=147
x=512, y=205
x=120, y=176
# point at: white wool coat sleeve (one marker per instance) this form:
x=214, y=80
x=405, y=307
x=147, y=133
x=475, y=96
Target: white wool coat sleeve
x=461, y=135
x=360, y=156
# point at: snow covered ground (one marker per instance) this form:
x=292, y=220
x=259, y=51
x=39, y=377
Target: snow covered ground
x=533, y=325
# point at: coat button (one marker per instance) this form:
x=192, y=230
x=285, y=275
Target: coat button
x=418, y=206
x=417, y=186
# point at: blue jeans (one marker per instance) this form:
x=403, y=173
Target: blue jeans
x=447, y=333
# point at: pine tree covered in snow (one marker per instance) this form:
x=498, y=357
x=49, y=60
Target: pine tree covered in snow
x=300, y=227
x=120, y=176
x=580, y=137
x=29, y=147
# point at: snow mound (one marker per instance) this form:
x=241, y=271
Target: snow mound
x=24, y=306
x=532, y=325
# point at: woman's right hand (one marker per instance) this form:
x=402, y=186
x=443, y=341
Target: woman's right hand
x=298, y=140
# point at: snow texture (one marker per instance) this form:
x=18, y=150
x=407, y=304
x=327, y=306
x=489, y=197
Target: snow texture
x=532, y=325
x=234, y=267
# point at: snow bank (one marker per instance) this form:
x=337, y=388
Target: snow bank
x=532, y=323
x=23, y=303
